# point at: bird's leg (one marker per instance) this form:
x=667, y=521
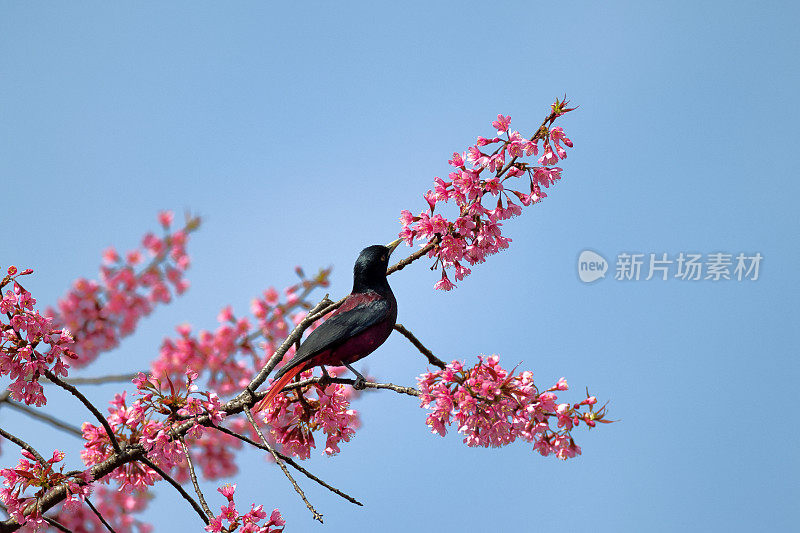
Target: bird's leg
x=300, y=397
x=325, y=377
x=360, y=380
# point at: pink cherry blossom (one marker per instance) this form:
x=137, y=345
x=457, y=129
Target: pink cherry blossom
x=101, y=313
x=493, y=407
x=501, y=124
x=467, y=237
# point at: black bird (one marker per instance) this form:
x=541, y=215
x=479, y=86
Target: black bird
x=356, y=329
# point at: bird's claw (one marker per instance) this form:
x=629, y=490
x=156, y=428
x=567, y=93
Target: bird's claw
x=360, y=383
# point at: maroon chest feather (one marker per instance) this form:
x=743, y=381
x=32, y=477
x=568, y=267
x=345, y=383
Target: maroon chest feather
x=364, y=343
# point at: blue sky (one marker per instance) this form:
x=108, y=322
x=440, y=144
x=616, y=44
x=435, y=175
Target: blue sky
x=299, y=133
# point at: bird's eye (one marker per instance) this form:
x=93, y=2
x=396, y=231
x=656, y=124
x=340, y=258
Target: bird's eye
x=384, y=258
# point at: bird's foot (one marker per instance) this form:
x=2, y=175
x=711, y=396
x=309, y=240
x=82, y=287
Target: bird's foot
x=326, y=378
x=360, y=381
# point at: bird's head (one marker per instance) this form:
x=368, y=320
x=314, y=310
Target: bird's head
x=370, y=268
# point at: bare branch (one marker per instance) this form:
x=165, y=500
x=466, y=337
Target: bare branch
x=291, y=462
x=75, y=392
x=193, y=475
x=432, y=359
x=56, y=524
x=411, y=391
x=400, y=265
x=99, y=516
x=278, y=460
x=100, y=380
x=178, y=487
x=33, y=413
x=24, y=445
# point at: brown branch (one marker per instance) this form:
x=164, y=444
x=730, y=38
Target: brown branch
x=322, y=380
x=178, y=487
x=400, y=265
x=33, y=413
x=99, y=380
x=291, y=462
x=75, y=392
x=432, y=359
x=278, y=460
x=24, y=445
x=56, y=524
x=99, y=516
x=193, y=475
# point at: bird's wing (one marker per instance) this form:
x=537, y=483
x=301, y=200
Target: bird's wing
x=354, y=316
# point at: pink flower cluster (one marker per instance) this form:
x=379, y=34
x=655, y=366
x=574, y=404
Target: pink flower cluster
x=229, y=354
x=139, y=424
x=31, y=474
x=293, y=419
x=130, y=426
x=483, y=172
x=492, y=407
x=248, y=522
x=101, y=313
x=24, y=334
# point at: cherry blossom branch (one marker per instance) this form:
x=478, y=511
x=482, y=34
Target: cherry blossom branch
x=317, y=516
x=33, y=413
x=291, y=462
x=177, y=486
x=432, y=359
x=400, y=265
x=75, y=392
x=99, y=516
x=193, y=475
x=24, y=445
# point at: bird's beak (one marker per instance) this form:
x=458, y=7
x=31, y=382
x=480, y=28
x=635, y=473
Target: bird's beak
x=392, y=245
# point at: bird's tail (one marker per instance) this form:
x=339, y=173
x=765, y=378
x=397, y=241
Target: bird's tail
x=276, y=388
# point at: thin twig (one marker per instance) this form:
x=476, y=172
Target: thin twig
x=193, y=475
x=178, y=487
x=322, y=380
x=56, y=524
x=24, y=445
x=278, y=460
x=99, y=380
x=75, y=392
x=291, y=462
x=99, y=516
x=400, y=265
x=432, y=359
x=33, y=413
